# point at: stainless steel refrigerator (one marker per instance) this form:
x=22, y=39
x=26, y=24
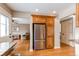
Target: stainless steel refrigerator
x=39, y=36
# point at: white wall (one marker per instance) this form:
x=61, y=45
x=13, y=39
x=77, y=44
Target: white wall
x=23, y=28
x=7, y=12
x=65, y=12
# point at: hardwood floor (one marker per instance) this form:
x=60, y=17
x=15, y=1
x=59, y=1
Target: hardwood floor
x=22, y=49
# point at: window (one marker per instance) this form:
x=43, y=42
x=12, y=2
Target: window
x=4, y=26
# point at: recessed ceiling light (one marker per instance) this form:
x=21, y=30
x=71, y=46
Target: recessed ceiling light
x=36, y=10
x=54, y=12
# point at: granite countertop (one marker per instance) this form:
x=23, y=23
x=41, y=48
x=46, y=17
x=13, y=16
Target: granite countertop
x=4, y=46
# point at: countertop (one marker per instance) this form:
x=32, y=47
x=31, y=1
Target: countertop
x=4, y=46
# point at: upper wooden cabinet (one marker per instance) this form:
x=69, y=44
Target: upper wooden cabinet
x=50, y=21
x=77, y=15
x=38, y=19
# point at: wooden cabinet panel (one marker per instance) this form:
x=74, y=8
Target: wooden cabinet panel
x=50, y=42
x=50, y=32
x=50, y=21
x=39, y=19
x=35, y=19
x=77, y=15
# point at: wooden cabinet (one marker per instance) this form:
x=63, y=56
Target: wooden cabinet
x=49, y=42
x=77, y=15
x=50, y=32
x=39, y=19
x=49, y=20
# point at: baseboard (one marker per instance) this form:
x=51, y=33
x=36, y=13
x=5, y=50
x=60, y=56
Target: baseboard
x=56, y=47
x=31, y=50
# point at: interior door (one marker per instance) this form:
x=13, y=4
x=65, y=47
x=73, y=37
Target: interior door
x=67, y=32
x=39, y=36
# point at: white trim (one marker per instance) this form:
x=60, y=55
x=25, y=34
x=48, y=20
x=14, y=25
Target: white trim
x=31, y=50
x=31, y=34
x=67, y=17
x=56, y=33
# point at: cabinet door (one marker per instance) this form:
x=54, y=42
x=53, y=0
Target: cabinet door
x=50, y=21
x=77, y=15
x=49, y=42
x=50, y=32
x=39, y=19
x=35, y=19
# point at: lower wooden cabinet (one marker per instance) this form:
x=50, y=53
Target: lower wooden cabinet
x=50, y=42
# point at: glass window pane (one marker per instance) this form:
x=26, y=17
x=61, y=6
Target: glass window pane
x=7, y=30
x=3, y=19
x=7, y=20
x=3, y=33
x=7, y=26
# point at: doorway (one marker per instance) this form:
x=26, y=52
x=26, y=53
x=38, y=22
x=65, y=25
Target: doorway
x=67, y=32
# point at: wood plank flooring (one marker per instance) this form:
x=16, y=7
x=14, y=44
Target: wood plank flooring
x=22, y=49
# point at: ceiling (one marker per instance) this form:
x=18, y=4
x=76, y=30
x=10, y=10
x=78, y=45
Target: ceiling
x=46, y=8
x=37, y=8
